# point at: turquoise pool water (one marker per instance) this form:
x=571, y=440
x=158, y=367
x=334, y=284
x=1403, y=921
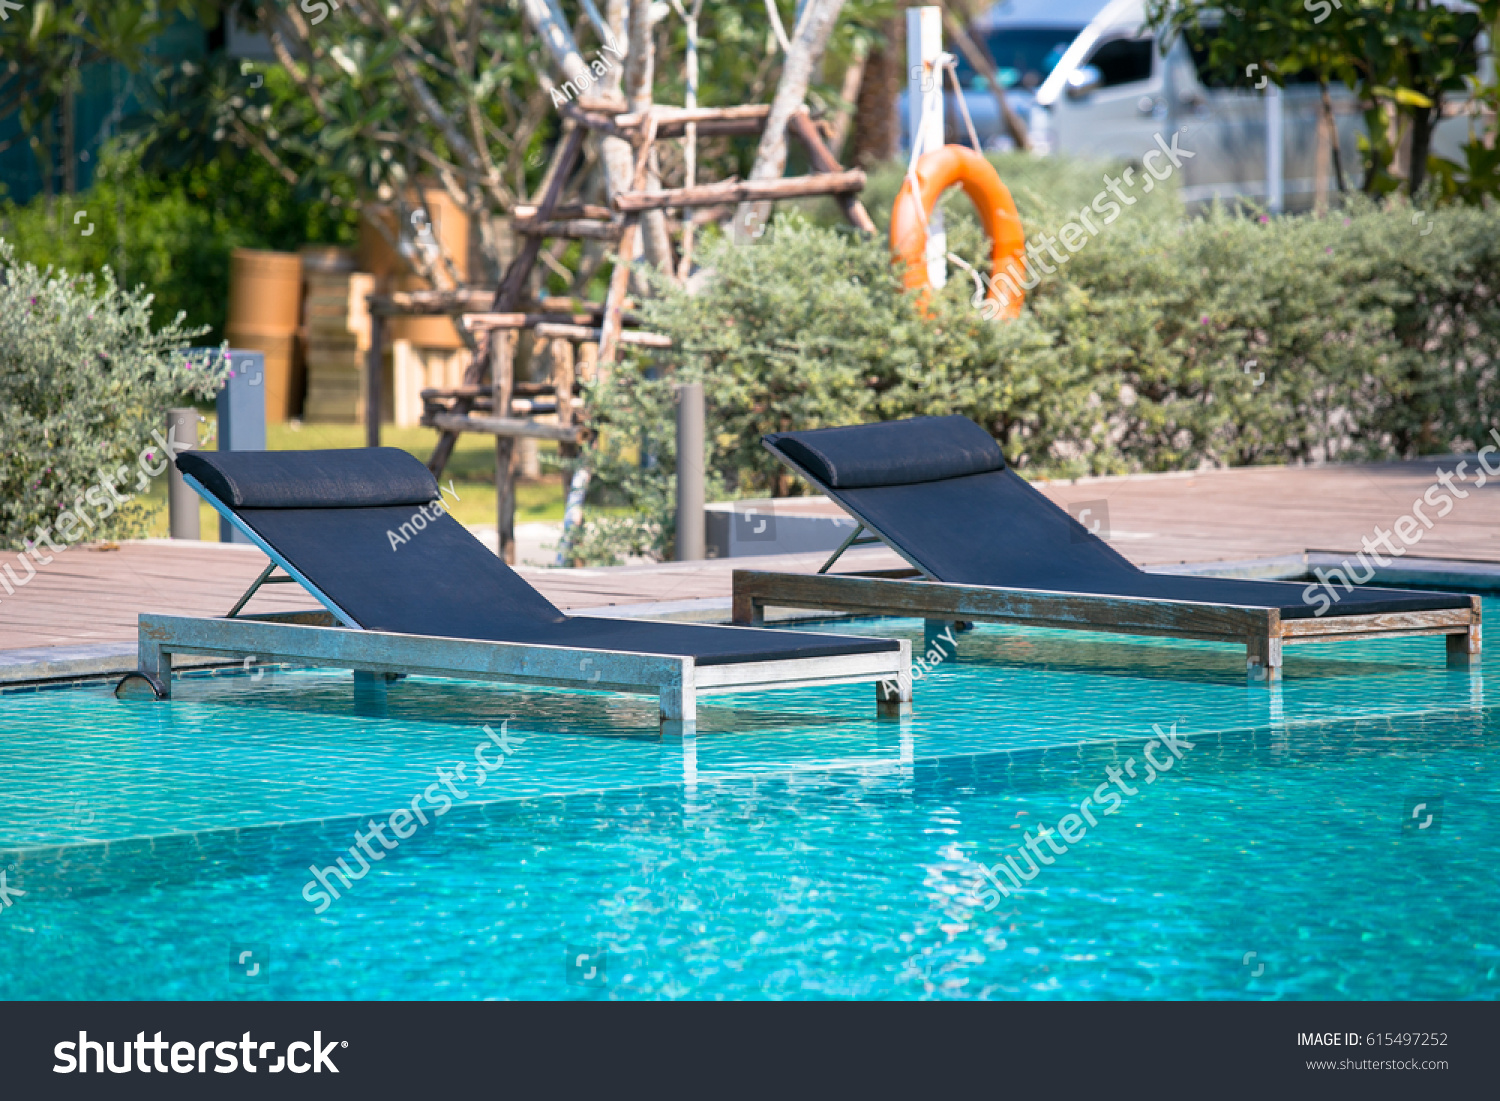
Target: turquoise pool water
x=797, y=848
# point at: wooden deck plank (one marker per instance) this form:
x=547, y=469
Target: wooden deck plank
x=90, y=595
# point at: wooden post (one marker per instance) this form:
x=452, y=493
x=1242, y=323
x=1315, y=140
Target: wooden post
x=746, y=610
x=1263, y=659
x=374, y=369
x=586, y=365
x=678, y=704
x=1464, y=649
x=893, y=695
x=1320, y=168
x=563, y=373
x=850, y=182
x=614, y=300
x=513, y=285
x=619, y=279
x=442, y=453
x=502, y=370
x=823, y=160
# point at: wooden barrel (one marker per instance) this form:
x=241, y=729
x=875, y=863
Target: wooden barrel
x=265, y=291
x=265, y=304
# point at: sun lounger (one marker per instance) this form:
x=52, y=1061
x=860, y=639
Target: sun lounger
x=405, y=588
x=985, y=545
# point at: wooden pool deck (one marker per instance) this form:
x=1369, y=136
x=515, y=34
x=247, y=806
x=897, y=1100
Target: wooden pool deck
x=87, y=600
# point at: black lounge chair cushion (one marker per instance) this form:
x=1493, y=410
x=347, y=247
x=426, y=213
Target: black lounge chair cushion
x=923, y=449
x=996, y=529
x=352, y=478
x=393, y=571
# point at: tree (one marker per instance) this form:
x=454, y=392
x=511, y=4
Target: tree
x=45, y=48
x=1402, y=58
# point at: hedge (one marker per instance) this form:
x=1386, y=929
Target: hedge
x=85, y=380
x=1375, y=328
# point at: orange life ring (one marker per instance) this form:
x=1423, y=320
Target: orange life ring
x=936, y=172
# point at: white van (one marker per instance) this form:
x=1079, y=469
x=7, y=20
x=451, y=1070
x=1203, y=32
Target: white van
x=1111, y=90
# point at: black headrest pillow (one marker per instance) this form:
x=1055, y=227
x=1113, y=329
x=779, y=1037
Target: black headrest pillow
x=362, y=477
x=890, y=453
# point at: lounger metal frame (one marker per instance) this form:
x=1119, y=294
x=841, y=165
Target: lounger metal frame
x=329, y=637
x=1262, y=631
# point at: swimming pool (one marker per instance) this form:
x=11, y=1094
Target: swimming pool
x=797, y=848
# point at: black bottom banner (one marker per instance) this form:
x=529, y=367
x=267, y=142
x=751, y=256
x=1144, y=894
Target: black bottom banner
x=331, y=1049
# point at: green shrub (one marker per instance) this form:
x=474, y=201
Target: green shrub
x=85, y=379
x=1039, y=185
x=172, y=232
x=1377, y=338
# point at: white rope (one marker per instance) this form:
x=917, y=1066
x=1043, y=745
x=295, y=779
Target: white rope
x=950, y=63
x=973, y=274
x=911, y=172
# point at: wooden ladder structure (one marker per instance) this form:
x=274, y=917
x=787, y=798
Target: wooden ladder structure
x=491, y=400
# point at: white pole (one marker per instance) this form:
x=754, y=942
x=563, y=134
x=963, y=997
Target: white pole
x=691, y=455
x=924, y=46
x=1275, y=191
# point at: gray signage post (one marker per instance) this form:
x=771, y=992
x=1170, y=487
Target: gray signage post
x=182, y=502
x=242, y=416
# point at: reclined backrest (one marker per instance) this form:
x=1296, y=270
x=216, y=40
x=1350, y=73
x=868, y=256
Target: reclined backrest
x=361, y=526
x=939, y=490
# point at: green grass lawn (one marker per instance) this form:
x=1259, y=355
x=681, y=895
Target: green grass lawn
x=471, y=470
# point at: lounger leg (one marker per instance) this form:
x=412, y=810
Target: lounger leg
x=679, y=705
x=940, y=635
x=746, y=610
x=369, y=694
x=152, y=659
x=893, y=695
x=1263, y=660
x=1463, y=650
x=679, y=762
